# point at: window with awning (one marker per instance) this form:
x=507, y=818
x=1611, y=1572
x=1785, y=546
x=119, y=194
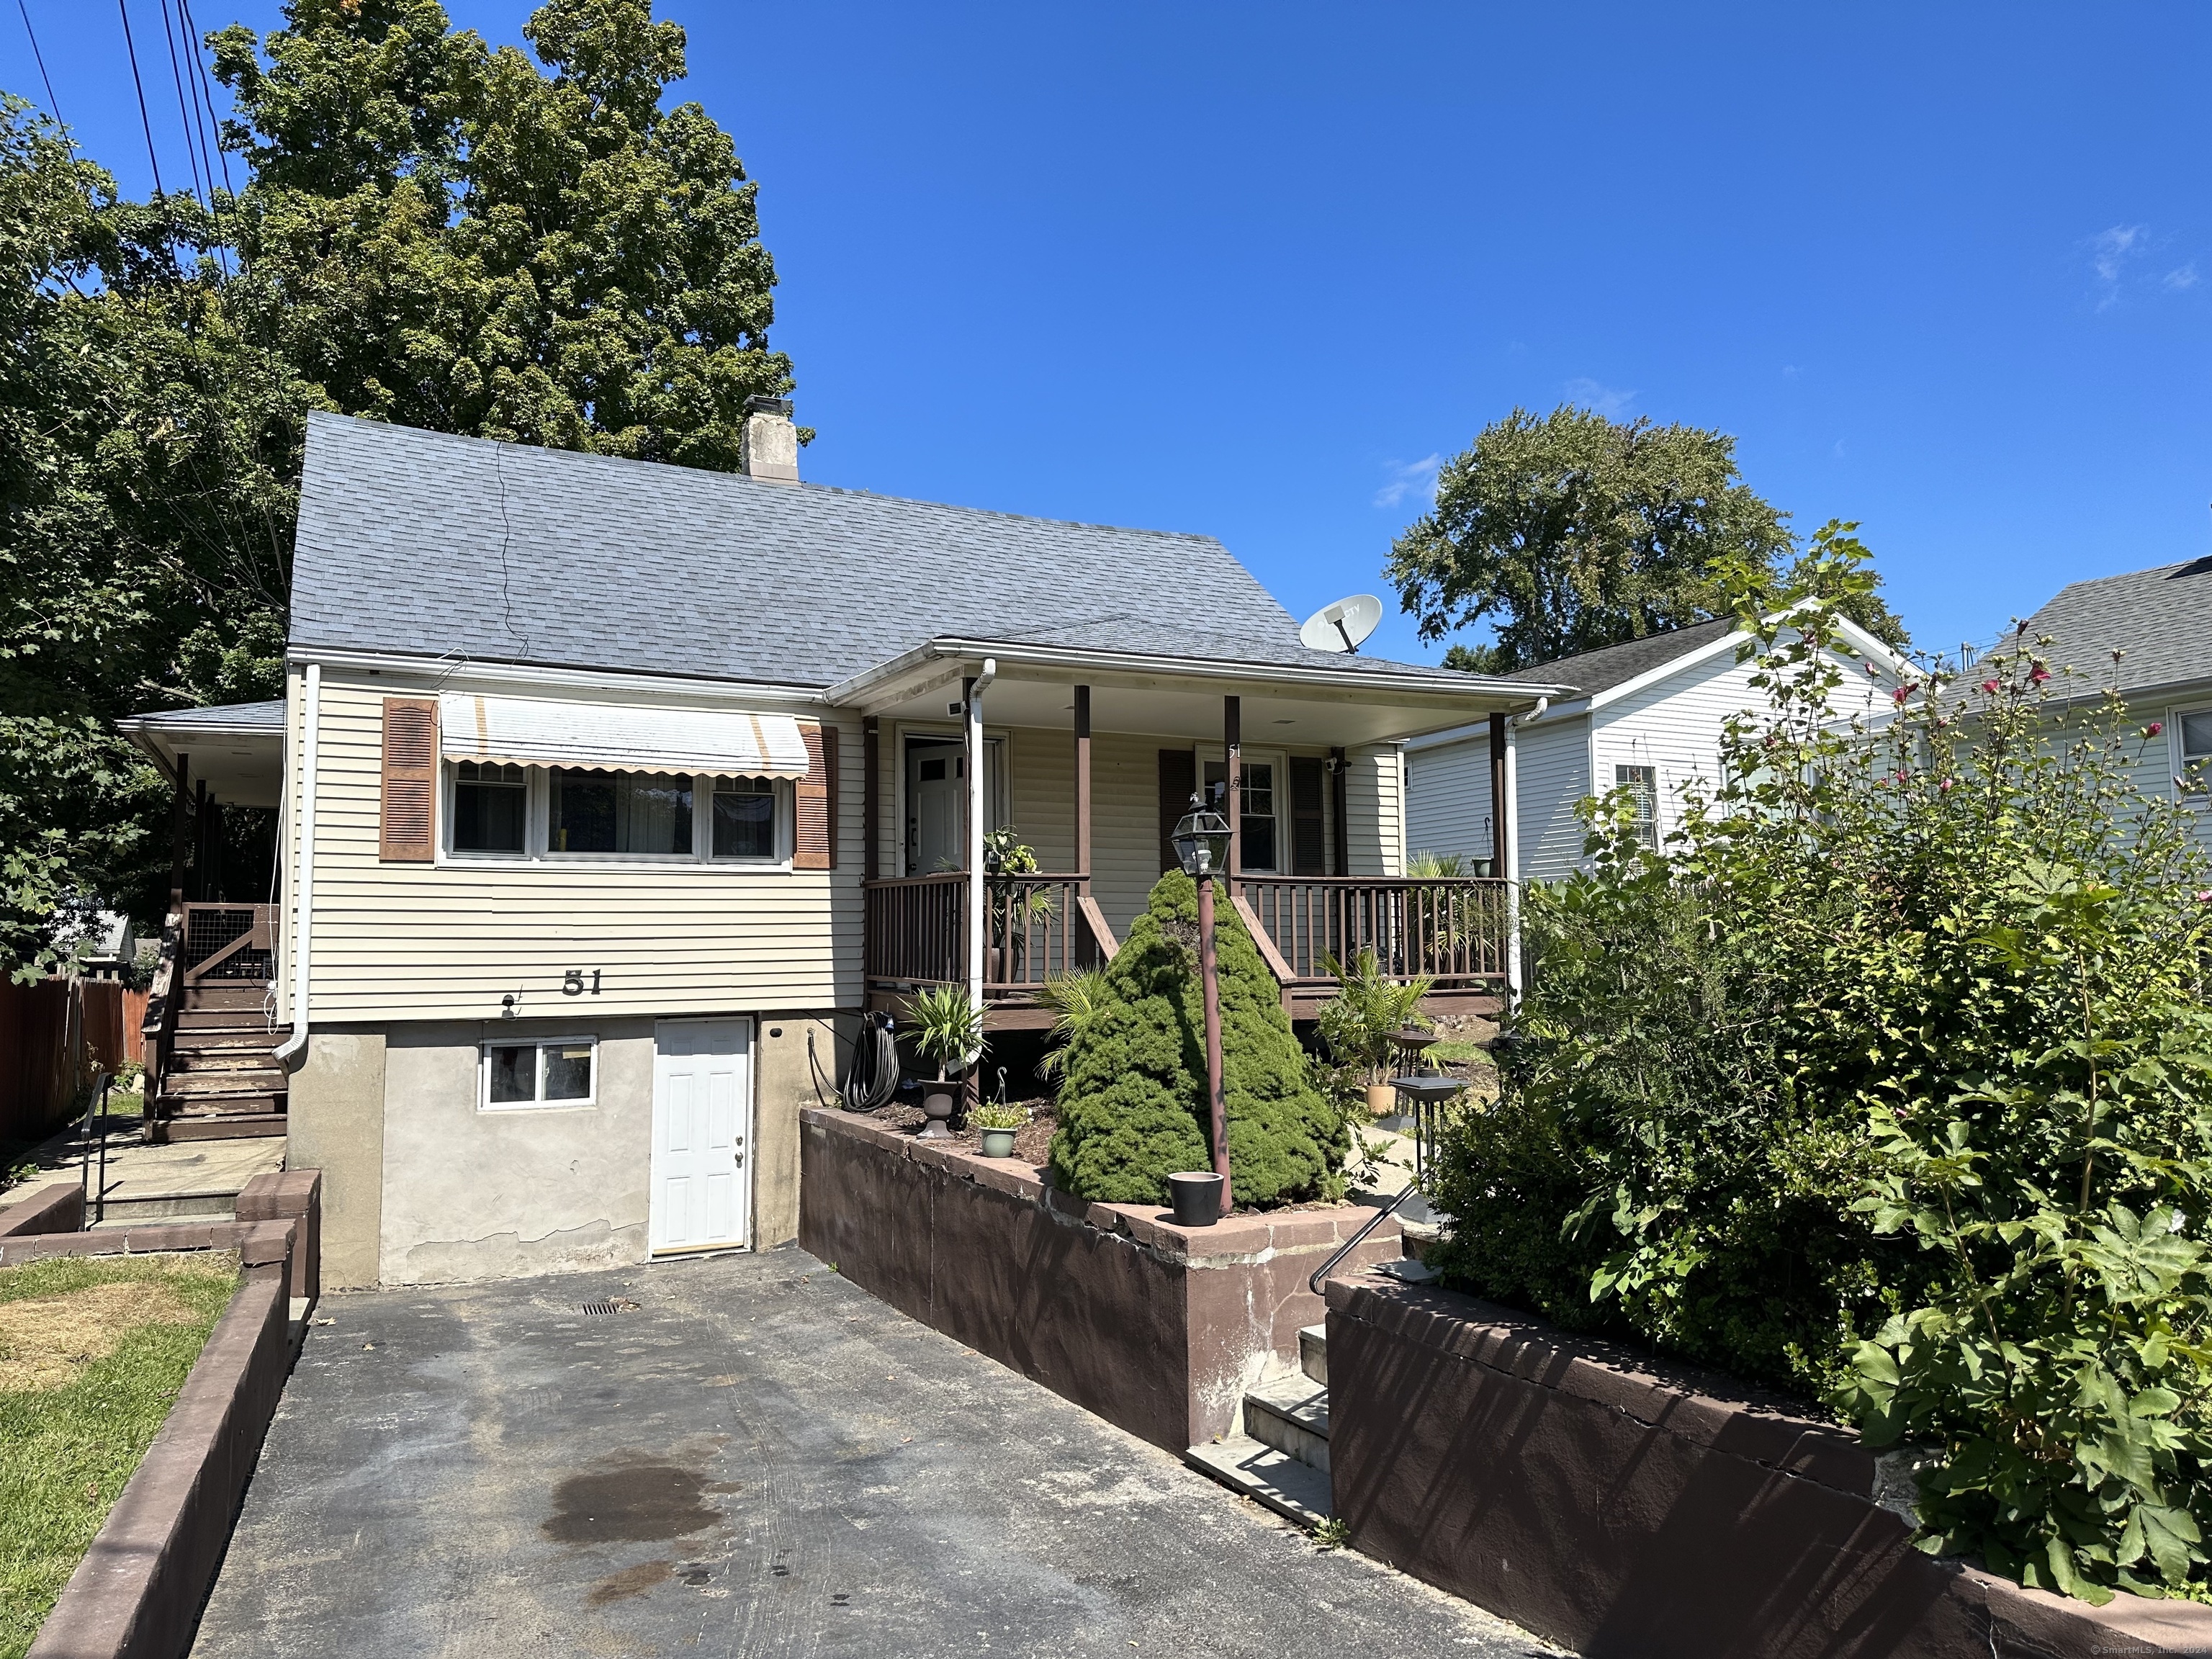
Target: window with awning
x=620, y=737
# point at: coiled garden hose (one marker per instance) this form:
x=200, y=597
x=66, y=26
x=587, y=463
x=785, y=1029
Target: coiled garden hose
x=872, y=1077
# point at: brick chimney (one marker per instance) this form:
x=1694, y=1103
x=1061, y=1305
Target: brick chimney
x=771, y=442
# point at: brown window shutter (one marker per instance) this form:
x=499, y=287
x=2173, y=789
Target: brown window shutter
x=406, y=831
x=815, y=841
x=1178, y=782
x=1308, y=854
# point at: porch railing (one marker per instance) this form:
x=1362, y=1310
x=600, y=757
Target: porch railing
x=1035, y=928
x=1453, y=931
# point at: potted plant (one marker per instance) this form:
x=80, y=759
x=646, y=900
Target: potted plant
x=1367, y=1010
x=998, y=1120
x=949, y=1029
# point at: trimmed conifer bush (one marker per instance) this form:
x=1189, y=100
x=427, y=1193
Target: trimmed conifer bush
x=1132, y=1105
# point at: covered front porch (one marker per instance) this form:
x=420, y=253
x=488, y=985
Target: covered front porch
x=1086, y=759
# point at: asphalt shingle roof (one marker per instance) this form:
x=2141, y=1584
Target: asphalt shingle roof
x=1600, y=669
x=2161, y=619
x=425, y=543
x=269, y=714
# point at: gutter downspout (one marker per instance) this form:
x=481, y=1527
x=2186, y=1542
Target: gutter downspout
x=983, y=678
x=1512, y=809
x=303, y=891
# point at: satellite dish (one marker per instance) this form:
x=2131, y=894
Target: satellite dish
x=1342, y=626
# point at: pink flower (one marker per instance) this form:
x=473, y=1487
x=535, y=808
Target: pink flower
x=2205, y=897
x=2040, y=674
x=1871, y=670
x=1990, y=686
x=1900, y=694
x=1945, y=785
x=2153, y=728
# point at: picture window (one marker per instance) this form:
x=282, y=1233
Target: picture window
x=620, y=812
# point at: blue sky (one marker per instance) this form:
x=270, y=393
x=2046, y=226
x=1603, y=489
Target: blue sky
x=1250, y=271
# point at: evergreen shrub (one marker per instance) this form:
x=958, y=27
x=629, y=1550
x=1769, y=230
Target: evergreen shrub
x=1891, y=1082
x=1132, y=1107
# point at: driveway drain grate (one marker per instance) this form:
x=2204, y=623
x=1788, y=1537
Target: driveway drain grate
x=598, y=1310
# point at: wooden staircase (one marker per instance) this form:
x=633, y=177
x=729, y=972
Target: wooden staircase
x=215, y=1074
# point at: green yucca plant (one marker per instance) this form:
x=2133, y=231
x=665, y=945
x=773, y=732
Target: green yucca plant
x=1074, y=998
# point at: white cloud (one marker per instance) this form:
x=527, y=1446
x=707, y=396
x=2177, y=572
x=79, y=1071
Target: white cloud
x=1605, y=400
x=2110, y=249
x=1417, y=478
x=2182, y=277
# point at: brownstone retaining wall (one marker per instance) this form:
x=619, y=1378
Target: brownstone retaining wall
x=55, y=1207
x=1622, y=1505
x=139, y=1590
x=1156, y=1328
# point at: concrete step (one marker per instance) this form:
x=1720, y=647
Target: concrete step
x=227, y=1126
x=169, y=1207
x=1313, y=1353
x=1293, y=1489
x=1292, y=1415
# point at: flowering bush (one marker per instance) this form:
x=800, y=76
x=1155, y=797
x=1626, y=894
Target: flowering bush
x=1891, y=1081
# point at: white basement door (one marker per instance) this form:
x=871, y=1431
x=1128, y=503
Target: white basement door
x=702, y=1092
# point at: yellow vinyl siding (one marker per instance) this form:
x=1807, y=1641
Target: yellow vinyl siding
x=448, y=941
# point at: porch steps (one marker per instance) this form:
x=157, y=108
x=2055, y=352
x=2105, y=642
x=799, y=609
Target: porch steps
x=1281, y=1460
x=224, y=1080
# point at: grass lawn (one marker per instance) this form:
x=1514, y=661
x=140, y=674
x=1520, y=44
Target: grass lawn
x=92, y=1351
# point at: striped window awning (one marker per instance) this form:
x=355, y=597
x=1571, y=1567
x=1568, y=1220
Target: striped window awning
x=620, y=737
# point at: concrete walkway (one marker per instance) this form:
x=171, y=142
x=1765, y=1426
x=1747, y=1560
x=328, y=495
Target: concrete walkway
x=180, y=1180
x=758, y=1459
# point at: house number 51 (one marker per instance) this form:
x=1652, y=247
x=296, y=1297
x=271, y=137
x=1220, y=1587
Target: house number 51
x=572, y=982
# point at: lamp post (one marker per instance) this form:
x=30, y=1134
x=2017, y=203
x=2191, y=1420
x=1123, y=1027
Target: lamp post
x=1201, y=844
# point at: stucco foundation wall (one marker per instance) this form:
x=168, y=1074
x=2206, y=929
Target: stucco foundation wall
x=494, y=1194
x=783, y=1088
x=336, y=1125
x=1625, y=1506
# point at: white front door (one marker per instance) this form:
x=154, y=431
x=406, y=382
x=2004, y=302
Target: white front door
x=702, y=1121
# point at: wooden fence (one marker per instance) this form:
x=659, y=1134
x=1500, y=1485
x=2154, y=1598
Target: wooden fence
x=56, y=1036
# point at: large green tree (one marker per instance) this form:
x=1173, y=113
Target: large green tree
x=430, y=231
x=1569, y=532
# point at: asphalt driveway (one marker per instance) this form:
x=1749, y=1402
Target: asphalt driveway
x=755, y=1458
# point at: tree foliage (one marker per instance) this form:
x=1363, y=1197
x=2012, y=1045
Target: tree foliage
x=1571, y=532
x=1132, y=1107
x=432, y=232
x=1891, y=1081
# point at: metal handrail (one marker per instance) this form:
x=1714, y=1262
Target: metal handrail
x=1358, y=1238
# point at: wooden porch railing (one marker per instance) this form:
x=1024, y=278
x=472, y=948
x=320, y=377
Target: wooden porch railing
x=1453, y=931
x=1035, y=928
x=202, y=944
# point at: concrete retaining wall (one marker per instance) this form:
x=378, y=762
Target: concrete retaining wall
x=1156, y=1328
x=55, y=1207
x=1622, y=1505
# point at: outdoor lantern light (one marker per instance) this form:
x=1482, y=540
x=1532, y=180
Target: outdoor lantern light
x=1201, y=841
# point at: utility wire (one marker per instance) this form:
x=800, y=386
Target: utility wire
x=52, y=102
x=205, y=189
x=203, y=83
x=145, y=119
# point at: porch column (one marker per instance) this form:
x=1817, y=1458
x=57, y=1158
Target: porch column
x=1340, y=863
x=871, y=796
x=179, y=811
x=1082, y=779
x=1501, y=824
x=972, y=701
x=1512, y=869
x=1232, y=749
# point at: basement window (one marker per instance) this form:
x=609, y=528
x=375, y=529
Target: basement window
x=542, y=1071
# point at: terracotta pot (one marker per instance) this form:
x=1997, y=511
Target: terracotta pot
x=1381, y=1100
x=998, y=1143
x=937, y=1104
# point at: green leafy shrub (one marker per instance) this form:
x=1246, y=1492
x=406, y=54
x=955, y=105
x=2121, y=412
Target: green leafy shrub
x=1132, y=1106
x=1357, y=1024
x=1892, y=1081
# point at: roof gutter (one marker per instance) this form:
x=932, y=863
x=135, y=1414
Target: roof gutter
x=1083, y=657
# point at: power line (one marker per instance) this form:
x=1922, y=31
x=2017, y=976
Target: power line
x=203, y=83
x=145, y=119
x=204, y=189
x=52, y=102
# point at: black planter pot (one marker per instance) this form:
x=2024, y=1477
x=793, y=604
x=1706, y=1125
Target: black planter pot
x=1197, y=1196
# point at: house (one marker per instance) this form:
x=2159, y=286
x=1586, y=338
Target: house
x=612, y=795
x=2161, y=622
x=1646, y=716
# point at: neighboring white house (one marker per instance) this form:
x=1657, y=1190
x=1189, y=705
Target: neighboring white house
x=1646, y=716
x=2160, y=621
